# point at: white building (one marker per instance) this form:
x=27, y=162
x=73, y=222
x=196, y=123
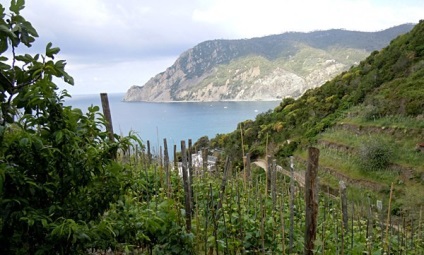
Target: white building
x=197, y=161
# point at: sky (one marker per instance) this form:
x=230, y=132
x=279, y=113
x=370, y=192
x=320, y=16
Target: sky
x=110, y=45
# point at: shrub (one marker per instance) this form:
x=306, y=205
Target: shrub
x=371, y=113
x=375, y=154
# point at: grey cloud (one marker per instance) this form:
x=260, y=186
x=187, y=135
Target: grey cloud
x=154, y=28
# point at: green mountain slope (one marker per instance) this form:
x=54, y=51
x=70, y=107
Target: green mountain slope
x=374, y=110
x=265, y=68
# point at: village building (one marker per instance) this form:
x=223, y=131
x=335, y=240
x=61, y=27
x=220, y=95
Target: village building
x=197, y=161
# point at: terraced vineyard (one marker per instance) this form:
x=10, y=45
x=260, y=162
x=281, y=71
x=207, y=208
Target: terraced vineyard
x=341, y=148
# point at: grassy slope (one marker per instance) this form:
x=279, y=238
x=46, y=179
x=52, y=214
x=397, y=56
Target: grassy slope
x=390, y=113
x=340, y=147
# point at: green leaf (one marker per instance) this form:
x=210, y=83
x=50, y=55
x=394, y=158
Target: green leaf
x=44, y=223
x=24, y=58
x=4, y=66
x=2, y=9
x=4, y=30
x=29, y=28
x=3, y=46
x=68, y=79
x=50, y=52
x=59, y=136
x=26, y=38
x=17, y=5
x=24, y=142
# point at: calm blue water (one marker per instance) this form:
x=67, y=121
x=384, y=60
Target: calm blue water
x=174, y=121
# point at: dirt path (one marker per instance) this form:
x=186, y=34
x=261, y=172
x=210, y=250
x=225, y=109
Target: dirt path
x=299, y=177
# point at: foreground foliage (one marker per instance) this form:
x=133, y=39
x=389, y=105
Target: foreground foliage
x=57, y=173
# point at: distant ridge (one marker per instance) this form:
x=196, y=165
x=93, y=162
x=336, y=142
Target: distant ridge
x=264, y=68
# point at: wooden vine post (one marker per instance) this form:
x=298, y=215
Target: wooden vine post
x=106, y=112
x=274, y=184
x=205, y=160
x=247, y=169
x=386, y=242
x=149, y=154
x=187, y=192
x=175, y=158
x=343, y=197
x=190, y=173
x=166, y=166
x=311, y=200
x=268, y=174
x=291, y=231
x=223, y=183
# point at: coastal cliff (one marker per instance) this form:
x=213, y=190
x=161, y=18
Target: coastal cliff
x=266, y=68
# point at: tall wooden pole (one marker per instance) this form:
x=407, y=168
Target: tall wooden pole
x=106, y=112
x=205, y=153
x=166, y=166
x=149, y=154
x=343, y=197
x=175, y=158
x=247, y=169
x=190, y=173
x=311, y=200
x=187, y=192
x=268, y=174
x=274, y=183
x=345, y=219
x=291, y=233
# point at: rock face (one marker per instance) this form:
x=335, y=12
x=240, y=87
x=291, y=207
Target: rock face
x=266, y=68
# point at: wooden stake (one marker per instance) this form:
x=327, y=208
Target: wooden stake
x=291, y=233
x=311, y=200
x=386, y=243
x=274, y=183
x=266, y=145
x=187, y=193
x=343, y=202
x=149, y=154
x=166, y=166
x=268, y=175
x=175, y=158
x=248, y=169
x=190, y=171
x=224, y=183
x=205, y=160
x=240, y=219
x=106, y=112
x=343, y=198
x=242, y=143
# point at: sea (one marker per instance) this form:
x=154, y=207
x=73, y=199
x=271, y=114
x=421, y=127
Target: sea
x=175, y=121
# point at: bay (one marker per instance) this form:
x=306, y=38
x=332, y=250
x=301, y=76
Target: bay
x=174, y=121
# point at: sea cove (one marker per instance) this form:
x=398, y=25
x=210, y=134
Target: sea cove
x=174, y=121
